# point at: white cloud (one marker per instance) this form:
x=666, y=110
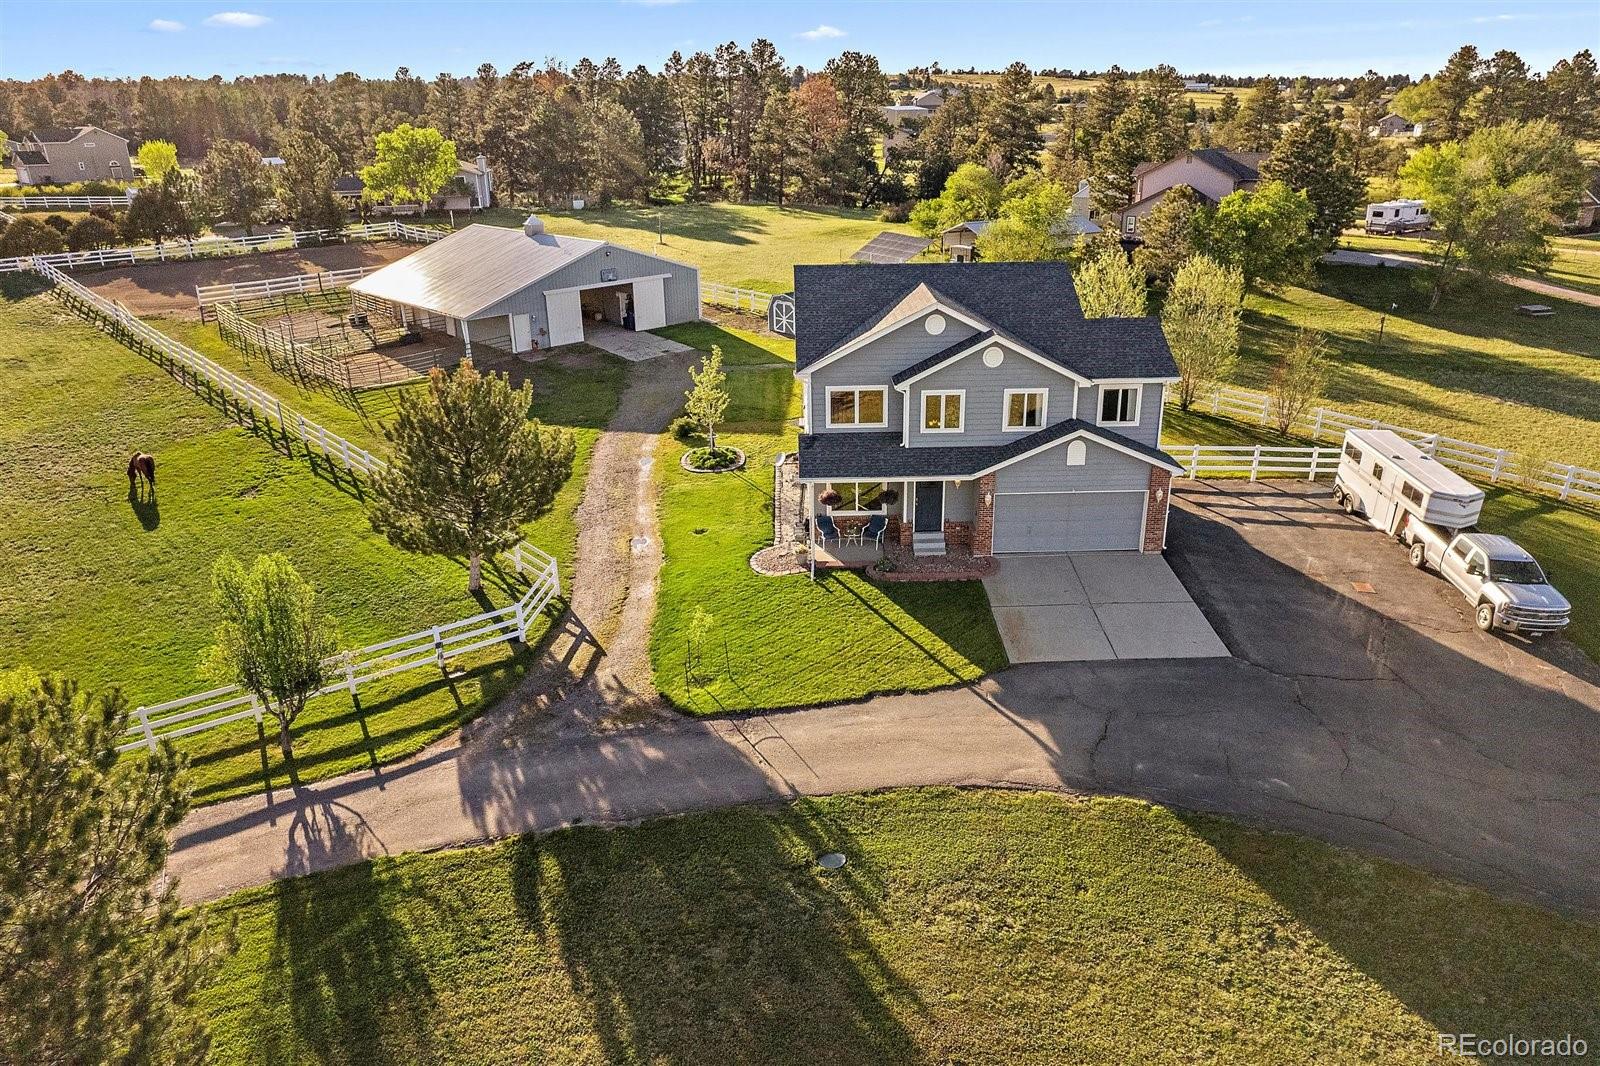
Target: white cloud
x=1481, y=19
x=165, y=25
x=823, y=33
x=239, y=20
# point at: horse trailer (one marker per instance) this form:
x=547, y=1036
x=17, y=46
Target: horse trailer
x=1384, y=478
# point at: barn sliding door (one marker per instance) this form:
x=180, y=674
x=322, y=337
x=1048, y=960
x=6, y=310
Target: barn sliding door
x=565, y=312
x=649, y=303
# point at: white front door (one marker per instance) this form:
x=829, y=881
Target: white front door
x=521, y=333
x=565, y=313
x=450, y=326
x=649, y=303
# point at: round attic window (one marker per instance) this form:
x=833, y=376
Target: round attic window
x=934, y=325
x=993, y=357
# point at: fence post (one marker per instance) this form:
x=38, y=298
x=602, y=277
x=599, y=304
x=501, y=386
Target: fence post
x=350, y=673
x=1430, y=444
x=1499, y=465
x=522, y=621
x=1194, y=461
x=1216, y=401
x=1566, y=483
x=1316, y=427
x=144, y=727
x=1255, y=462
x=438, y=648
x=1316, y=453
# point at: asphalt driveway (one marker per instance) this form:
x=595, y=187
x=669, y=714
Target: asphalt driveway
x=1096, y=605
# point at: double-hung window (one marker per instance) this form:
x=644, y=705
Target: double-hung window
x=1119, y=405
x=860, y=408
x=942, y=411
x=1024, y=408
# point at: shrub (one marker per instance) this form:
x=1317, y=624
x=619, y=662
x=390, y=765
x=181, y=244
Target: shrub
x=59, y=223
x=714, y=458
x=27, y=236
x=91, y=232
x=684, y=429
x=897, y=212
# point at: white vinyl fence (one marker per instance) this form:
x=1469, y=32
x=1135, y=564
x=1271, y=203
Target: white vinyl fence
x=209, y=247
x=232, y=292
x=26, y=202
x=1566, y=480
x=435, y=646
x=751, y=300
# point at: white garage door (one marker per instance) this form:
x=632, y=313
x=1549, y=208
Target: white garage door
x=1068, y=521
x=565, y=312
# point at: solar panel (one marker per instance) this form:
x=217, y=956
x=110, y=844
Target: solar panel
x=891, y=248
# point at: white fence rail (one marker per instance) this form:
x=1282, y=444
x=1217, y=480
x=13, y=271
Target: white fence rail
x=218, y=707
x=751, y=300
x=1566, y=480
x=26, y=202
x=322, y=281
x=433, y=647
x=1255, y=460
x=207, y=247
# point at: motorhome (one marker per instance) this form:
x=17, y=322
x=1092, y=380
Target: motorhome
x=1384, y=478
x=1398, y=216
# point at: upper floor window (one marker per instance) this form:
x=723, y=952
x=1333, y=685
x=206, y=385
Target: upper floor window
x=942, y=411
x=1119, y=406
x=1025, y=408
x=858, y=407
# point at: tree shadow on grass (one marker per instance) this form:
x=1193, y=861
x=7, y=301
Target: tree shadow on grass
x=689, y=951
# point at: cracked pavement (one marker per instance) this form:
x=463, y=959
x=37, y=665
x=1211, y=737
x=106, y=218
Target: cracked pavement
x=1382, y=721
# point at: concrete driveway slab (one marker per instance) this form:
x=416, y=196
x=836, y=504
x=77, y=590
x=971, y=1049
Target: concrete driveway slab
x=1128, y=577
x=1058, y=633
x=1159, y=631
x=629, y=345
x=1034, y=580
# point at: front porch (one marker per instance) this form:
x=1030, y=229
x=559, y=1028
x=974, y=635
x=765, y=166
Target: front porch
x=914, y=519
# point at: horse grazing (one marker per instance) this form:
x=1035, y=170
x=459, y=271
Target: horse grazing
x=141, y=466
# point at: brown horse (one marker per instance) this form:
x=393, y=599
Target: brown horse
x=141, y=467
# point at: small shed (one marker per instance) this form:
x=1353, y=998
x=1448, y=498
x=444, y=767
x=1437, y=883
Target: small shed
x=780, y=315
x=524, y=289
x=961, y=241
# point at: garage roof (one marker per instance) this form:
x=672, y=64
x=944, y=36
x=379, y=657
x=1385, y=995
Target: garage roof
x=472, y=269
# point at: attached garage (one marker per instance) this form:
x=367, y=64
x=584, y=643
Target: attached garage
x=519, y=290
x=1068, y=521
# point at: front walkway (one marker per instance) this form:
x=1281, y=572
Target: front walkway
x=1096, y=605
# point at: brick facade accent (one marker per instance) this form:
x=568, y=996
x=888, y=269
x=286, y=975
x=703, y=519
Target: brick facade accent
x=1155, y=509
x=957, y=535
x=983, y=529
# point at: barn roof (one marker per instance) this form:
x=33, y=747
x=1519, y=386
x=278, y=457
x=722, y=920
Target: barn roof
x=472, y=269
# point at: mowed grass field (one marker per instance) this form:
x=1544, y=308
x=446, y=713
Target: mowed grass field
x=967, y=926
x=765, y=642
x=115, y=592
x=751, y=246
x=1576, y=264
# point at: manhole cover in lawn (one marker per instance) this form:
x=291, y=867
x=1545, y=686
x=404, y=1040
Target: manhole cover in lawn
x=831, y=861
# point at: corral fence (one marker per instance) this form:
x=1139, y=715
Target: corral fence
x=28, y=202
x=1567, y=481
x=207, y=296
x=212, y=247
x=434, y=646
x=751, y=300
x=283, y=353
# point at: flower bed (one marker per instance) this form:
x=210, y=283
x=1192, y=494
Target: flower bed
x=712, y=460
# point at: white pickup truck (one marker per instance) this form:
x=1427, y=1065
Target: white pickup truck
x=1506, y=586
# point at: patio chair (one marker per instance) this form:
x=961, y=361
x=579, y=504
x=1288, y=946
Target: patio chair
x=826, y=530
x=873, y=530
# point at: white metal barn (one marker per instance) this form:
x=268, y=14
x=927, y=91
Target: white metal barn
x=523, y=289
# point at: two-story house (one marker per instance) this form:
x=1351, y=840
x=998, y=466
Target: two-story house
x=78, y=153
x=1211, y=172
x=978, y=398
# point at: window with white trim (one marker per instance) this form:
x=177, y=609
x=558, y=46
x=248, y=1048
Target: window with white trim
x=942, y=411
x=858, y=407
x=1119, y=405
x=857, y=497
x=1024, y=408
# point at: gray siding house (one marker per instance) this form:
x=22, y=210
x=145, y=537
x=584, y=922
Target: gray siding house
x=1211, y=172
x=974, y=407
x=526, y=289
x=79, y=153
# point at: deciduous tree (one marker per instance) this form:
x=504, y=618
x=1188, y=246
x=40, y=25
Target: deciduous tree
x=1266, y=234
x=1167, y=233
x=1298, y=378
x=1313, y=157
x=99, y=965
x=155, y=158
x=468, y=469
x=91, y=232
x=707, y=402
x=972, y=193
x=29, y=236
x=412, y=165
x=273, y=638
x=1108, y=285
x=1200, y=317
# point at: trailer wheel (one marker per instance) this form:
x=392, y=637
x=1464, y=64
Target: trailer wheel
x=1419, y=556
x=1349, y=504
x=1485, y=617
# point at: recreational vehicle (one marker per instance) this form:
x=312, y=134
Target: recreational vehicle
x=1384, y=478
x=1398, y=216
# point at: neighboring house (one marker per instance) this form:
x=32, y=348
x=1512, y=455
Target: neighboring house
x=1197, y=86
x=1588, y=206
x=1211, y=172
x=960, y=241
x=896, y=115
x=472, y=188
x=78, y=153
x=1393, y=125
x=934, y=99
x=525, y=289
x=1000, y=418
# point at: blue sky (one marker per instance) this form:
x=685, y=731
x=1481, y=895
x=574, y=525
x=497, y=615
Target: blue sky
x=242, y=37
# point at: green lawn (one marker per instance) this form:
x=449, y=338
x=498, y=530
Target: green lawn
x=968, y=926
x=780, y=642
x=753, y=246
x=118, y=594
x=1472, y=369
x=1576, y=264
